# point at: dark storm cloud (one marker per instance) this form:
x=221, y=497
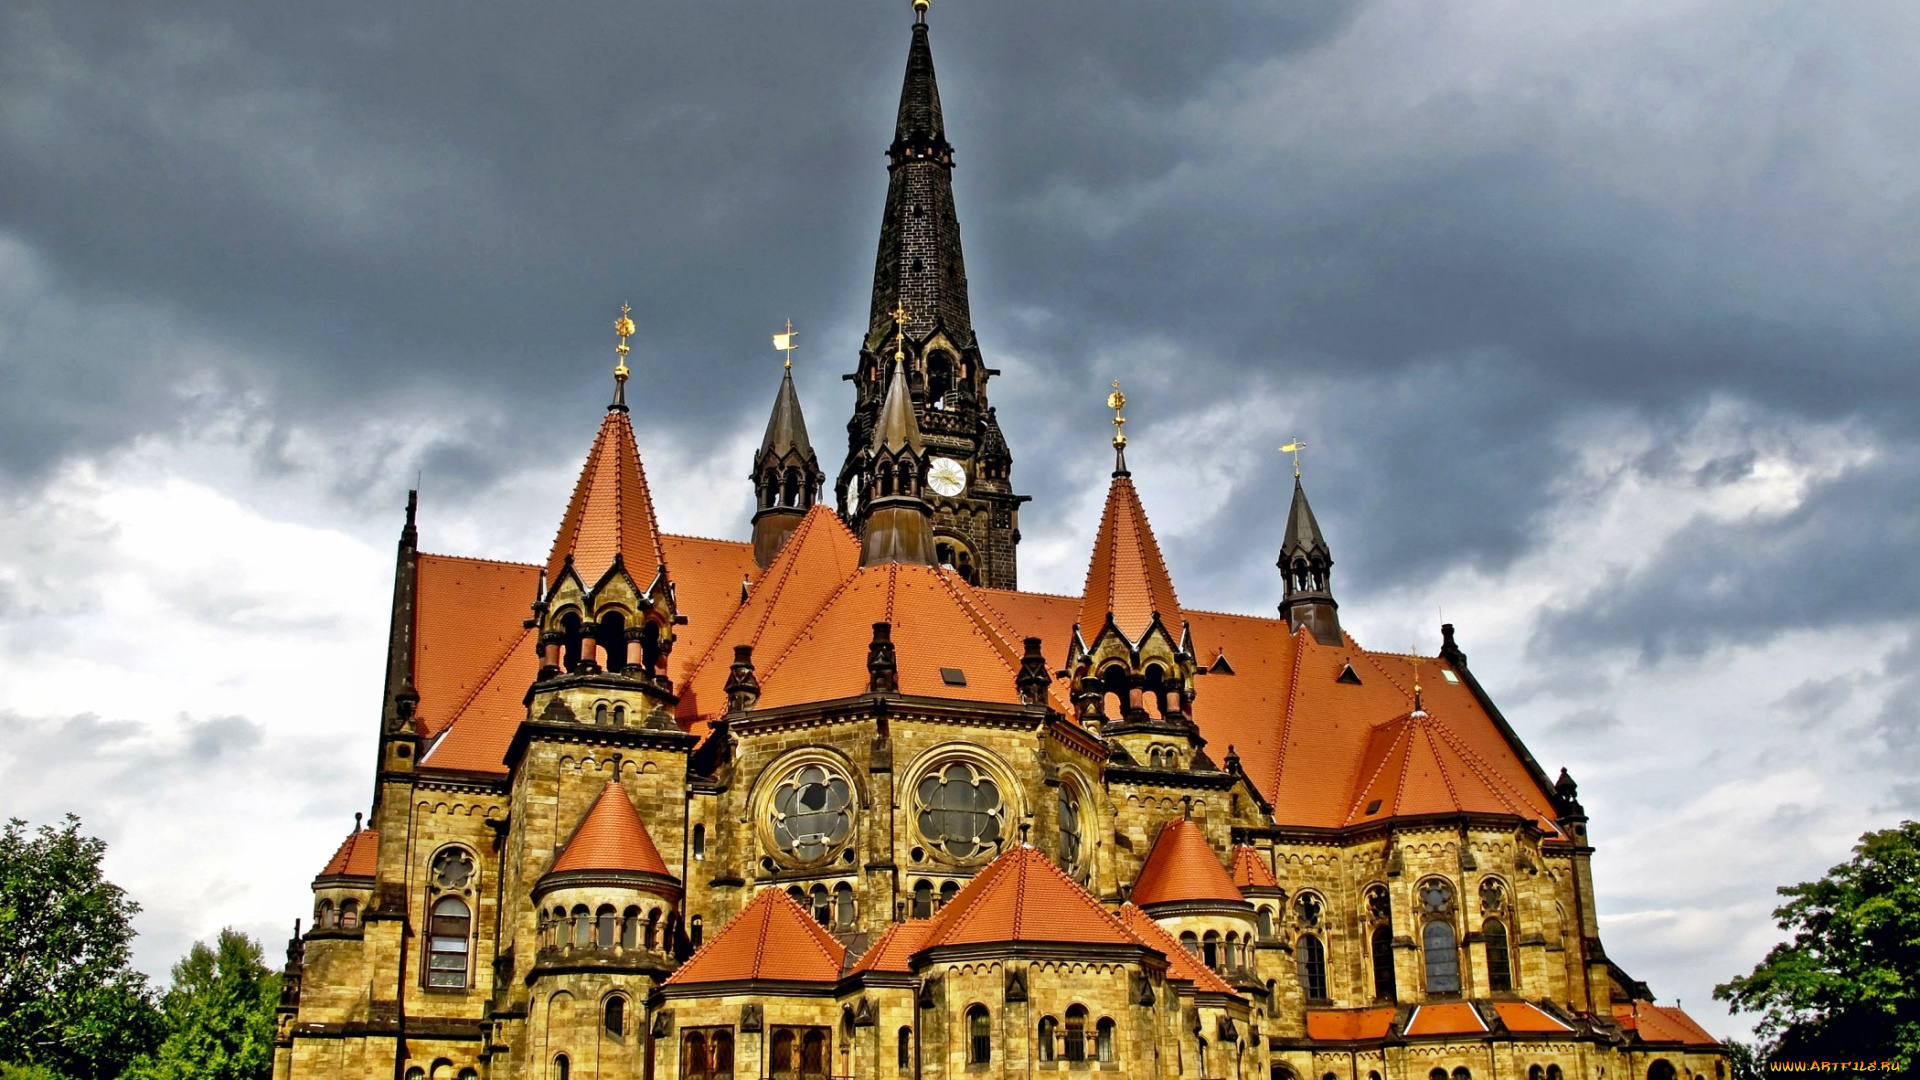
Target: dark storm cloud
x=359, y=209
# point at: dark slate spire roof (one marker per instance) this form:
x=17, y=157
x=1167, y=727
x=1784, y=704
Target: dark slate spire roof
x=787, y=427
x=898, y=427
x=919, y=124
x=1303, y=532
x=919, y=264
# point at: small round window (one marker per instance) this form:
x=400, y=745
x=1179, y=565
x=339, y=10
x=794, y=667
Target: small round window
x=960, y=810
x=452, y=869
x=812, y=813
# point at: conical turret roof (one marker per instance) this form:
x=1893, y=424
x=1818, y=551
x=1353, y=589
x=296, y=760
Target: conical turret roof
x=898, y=426
x=771, y=939
x=1182, y=867
x=1249, y=872
x=357, y=856
x=786, y=428
x=611, y=837
x=1022, y=896
x=611, y=512
x=919, y=122
x=1303, y=532
x=1127, y=576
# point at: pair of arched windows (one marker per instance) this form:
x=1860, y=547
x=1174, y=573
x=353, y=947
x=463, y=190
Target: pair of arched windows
x=1551, y=1072
x=1070, y=1042
x=834, y=910
x=347, y=917
x=707, y=1054
x=923, y=897
x=1459, y=1073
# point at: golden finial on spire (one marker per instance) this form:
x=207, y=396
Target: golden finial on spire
x=1298, y=444
x=920, y=10
x=1117, y=401
x=1418, y=709
x=900, y=330
x=784, y=342
x=623, y=326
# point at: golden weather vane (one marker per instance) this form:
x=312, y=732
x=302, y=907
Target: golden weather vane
x=1298, y=444
x=1117, y=401
x=784, y=342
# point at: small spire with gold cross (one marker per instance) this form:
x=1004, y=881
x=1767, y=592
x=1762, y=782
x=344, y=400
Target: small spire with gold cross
x=1418, y=709
x=899, y=331
x=1298, y=444
x=623, y=326
x=785, y=343
x=1117, y=401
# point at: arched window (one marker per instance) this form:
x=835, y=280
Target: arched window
x=416, y=1073
x=1437, y=1074
x=948, y=890
x=653, y=929
x=1461, y=1072
x=693, y=1056
x=1049, y=1031
x=979, y=1036
x=1535, y=1072
x=1103, y=1039
x=696, y=931
x=1210, y=949
x=1191, y=942
x=1553, y=1072
x=1266, y=921
x=349, y=914
x=1443, y=958
x=582, y=926
x=619, y=716
x=604, y=928
x=562, y=1068
x=1076, y=1041
x=813, y=1055
x=630, y=928
x=1661, y=1070
x=783, y=1052
x=906, y=1049
x=447, y=935
x=843, y=906
x=822, y=905
x=1069, y=828
x=1384, y=988
x=923, y=899
x=615, y=1015
x=1313, y=967
x=699, y=842
x=469, y=1074
x=1499, y=965
x=1232, y=956
x=721, y=1054
x=323, y=915
x=602, y=714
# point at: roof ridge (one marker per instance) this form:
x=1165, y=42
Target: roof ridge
x=788, y=553
x=1446, y=774
x=820, y=613
x=705, y=539
x=1366, y=785
x=1286, y=717
x=958, y=590
x=480, y=684
x=1482, y=768
x=478, y=559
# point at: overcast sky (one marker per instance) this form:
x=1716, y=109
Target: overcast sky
x=1600, y=322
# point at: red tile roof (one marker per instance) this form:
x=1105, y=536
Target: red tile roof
x=357, y=856
x=1250, y=871
x=1182, y=866
x=773, y=938
x=1022, y=896
x=1349, y=1025
x=1456, y=1019
x=467, y=616
x=1181, y=965
x=1127, y=577
x=1520, y=1016
x=611, y=837
x=1418, y=764
x=892, y=950
x=611, y=512
x=1662, y=1024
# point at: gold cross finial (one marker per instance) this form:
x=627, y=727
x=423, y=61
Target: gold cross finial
x=1117, y=401
x=1298, y=444
x=900, y=330
x=622, y=326
x=784, y=342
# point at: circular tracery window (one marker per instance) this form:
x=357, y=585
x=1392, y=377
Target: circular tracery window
x=960, y=810
x=812, y=813
x=452, y=869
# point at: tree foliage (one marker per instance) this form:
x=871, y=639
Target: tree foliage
x=219, y=1015
x=1847, y=986
x=69, y=998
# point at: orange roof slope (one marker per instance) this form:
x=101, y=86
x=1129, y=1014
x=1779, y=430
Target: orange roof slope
x=1182, y=866
x=1022, y=896
x=938, y=623
x=1349, y=1025
x=1249, y=872
x=813, y=564
x=357, y=856
x=1418, y=765
x=1181, y=965
x=773, y=938
x=1662, y=1023
x=1457, y=1019
x=611, y=837
x=1127, y=577
x=611, y=512
x=892, y=950
x=1520, y=1016
x=466, y=615
x=477, y=737
x=706, y=581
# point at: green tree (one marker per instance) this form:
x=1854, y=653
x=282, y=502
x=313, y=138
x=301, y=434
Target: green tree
x=219, y=1014
x=69, y=998
x=1847, y=986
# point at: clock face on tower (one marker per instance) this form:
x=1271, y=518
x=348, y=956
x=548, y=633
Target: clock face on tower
x=946, y=477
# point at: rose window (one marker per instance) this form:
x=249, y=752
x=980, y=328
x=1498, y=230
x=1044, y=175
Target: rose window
x=1493, y=896
x=452, y=869
x=1436, y=897
x=812, y=813
x=961, y=810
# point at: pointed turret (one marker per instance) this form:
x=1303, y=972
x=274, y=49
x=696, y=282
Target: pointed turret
x=612, y=839
x=920, y=313
x=611, y=513
x=786, y=475
x=1127, y=577
x=897, y=522
x=1306, y=566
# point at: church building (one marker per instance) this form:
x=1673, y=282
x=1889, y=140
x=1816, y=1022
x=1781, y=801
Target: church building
x=839, y=800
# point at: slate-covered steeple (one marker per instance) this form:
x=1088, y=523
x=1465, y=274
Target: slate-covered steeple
x=1306, y=566
x=897, y=526
x=786, y=475
x=920, y=276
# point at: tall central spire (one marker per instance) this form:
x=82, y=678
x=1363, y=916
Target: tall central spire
x=919, y=270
